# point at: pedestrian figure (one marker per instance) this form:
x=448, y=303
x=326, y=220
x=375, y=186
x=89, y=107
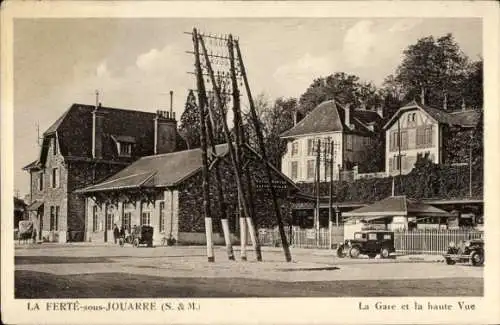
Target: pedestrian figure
x=116, y=232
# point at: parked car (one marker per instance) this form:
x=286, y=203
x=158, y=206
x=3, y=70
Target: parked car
x=470, y=251
x=368, y=242
x=142, y=235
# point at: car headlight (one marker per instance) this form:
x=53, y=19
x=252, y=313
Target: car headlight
x=467, y=243
x=452, y=244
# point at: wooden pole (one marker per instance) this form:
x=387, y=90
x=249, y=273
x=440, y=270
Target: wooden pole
x=204, y=158
x=240, y=141
x=318, y=180
x=220, y=194
x=260, y=139
x=330, y=201
x=232, y=153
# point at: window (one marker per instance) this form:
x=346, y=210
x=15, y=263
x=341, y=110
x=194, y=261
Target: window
x=55, y=177
x=310, y=147
x=397, y=162
x=145, y=218
x=349, y=142
x=372, y=236
x=40, y=181
x=54, y=218
x=125, y=149
x=428, y=136
x=54, y=146
x=327, y=169
x=394, y=141
x=162, y=216
x=295, y=148
x=294, y=168
x=310, y=168
x=404, y=140
x=94, y=219
x=109, y=220
x=126, y=220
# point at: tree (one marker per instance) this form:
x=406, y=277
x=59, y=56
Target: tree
x=438, y=68
x=275, y=119
x=189, y=127
x=343, y=87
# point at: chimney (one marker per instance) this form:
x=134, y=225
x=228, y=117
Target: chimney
x=380, y=111
x=347, y=115
x=445, y=102
x=165, y=130
x=463, y=105
x=171, y=103
x=422, y=96
x=97, y=129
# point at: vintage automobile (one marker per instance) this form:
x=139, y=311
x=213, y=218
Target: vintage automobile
x=142, y=235
x=469, y=251
x=368, y=242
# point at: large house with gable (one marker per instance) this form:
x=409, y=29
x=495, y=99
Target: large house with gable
x=420, y=129
x=84, y=146
x=353, y=132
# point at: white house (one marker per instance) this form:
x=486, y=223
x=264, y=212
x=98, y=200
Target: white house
x=351, y=130
x=418, y=129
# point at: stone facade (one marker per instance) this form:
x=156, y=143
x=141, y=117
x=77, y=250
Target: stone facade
x=54, y=197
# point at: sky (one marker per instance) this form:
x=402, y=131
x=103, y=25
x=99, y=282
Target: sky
x=134, y=63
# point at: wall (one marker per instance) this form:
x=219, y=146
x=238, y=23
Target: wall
x=302, y=156
x=422, y=119
x=82, y=174
x=191, y=216
x=52, y=196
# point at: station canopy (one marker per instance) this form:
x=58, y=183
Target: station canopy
x=396, y=206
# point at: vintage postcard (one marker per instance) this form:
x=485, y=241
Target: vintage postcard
x=250, y=162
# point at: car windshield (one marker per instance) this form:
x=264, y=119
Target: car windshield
x=359, y=235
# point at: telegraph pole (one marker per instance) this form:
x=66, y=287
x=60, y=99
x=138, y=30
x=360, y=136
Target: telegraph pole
x=232, y=153
x=220, y=193
x=240, y=140
x=205, y=175
x=318, y=180
x=330, y=201
x=260, y=139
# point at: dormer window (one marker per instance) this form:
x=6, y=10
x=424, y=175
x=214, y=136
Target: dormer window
x=123, y=145
x=125, y=149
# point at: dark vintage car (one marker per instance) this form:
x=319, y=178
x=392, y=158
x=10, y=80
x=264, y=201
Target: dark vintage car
x=368, y=242
x=470, y=251
x=142, y=235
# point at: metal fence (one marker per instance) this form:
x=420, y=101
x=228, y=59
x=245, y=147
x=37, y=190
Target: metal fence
x=426, y=241
x=431, y=241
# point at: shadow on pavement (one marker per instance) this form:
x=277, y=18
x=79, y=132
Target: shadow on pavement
x=30, y=284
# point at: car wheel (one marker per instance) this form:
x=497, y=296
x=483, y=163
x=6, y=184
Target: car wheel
x=449, y=261
x=477, y=259
x=340, y=252
x=384, y=252
x=136, y=242
x=354, y=252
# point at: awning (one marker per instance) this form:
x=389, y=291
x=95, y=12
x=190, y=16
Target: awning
x=35, y=206
x=367, y=219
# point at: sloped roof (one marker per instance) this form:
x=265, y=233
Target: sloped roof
x=397, y=206
x=329, y=117
x=165, y=170
x=467, y=118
